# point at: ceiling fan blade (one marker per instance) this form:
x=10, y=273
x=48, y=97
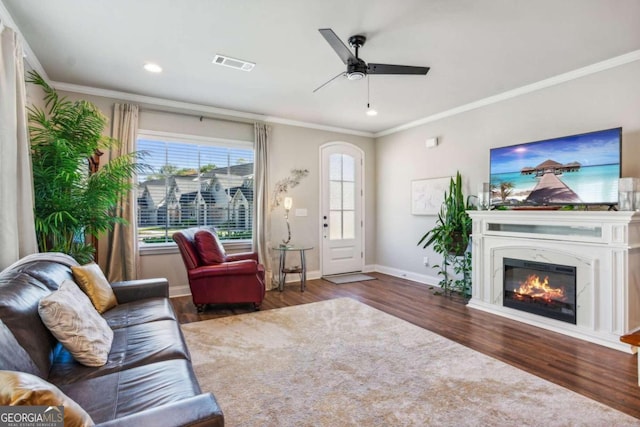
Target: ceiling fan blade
x=343, y=51
x=395, y=69
x=326, y=83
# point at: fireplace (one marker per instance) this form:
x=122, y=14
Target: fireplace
x=604, y=248
x=540, y=288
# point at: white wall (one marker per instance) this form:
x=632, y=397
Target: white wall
x=603, y=100
x=191, y=124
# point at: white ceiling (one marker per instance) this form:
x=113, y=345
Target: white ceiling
x=475, y=48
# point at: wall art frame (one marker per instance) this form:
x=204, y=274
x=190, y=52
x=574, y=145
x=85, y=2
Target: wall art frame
x=427, y=195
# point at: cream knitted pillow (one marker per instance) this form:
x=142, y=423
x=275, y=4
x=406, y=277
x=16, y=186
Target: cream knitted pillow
x=72, y=319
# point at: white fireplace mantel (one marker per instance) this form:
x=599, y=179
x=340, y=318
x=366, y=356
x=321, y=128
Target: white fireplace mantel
x=604, y=246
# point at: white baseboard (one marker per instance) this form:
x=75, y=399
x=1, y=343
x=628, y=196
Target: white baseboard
x=316, y=274
x=409, y=275
x=179, y=290
x=295, y=277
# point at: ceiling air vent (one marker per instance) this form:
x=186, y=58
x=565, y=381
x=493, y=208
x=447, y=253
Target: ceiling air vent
x=238, y=64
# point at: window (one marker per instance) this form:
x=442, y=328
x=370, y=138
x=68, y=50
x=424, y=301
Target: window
x=193, y=182
x=342, y=197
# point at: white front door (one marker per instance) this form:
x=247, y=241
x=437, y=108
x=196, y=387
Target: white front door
x=341, y=208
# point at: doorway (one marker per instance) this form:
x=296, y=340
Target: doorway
x=342, y=201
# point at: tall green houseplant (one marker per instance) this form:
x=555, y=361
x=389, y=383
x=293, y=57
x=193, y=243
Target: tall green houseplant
x=70, y=202
x=450, y=238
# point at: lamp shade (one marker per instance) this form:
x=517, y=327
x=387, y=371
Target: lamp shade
x=288, y=202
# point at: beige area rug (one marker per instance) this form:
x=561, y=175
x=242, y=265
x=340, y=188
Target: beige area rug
x=343, y=363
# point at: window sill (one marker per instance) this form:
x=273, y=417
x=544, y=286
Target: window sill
x=157, y=249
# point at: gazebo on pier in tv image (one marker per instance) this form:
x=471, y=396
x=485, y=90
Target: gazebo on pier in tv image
x=550, y=186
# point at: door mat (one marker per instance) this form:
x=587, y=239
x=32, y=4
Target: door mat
x=348, y=278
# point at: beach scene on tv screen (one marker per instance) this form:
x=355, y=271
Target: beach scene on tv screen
x=572, y=170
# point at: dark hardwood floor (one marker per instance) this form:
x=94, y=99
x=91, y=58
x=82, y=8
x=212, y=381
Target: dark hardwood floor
x=606, y=375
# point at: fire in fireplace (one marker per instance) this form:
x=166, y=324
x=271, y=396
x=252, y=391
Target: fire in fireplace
x=540, y=288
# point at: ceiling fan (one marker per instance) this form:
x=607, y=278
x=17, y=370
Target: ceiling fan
x=356, y=67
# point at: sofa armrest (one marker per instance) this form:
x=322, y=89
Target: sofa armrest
x=132, y=290
x=198, y=411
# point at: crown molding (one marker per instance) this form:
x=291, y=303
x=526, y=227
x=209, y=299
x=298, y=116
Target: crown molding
x=200, y=108
x=542, y=84
x=272, y=119
x=154, y=101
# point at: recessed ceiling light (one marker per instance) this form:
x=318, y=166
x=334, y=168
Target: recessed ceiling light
x=152, y=68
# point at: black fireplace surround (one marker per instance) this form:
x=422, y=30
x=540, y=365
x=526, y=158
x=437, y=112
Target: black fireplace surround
x=540, y=288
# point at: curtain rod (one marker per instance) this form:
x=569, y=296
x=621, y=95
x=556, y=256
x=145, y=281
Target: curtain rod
x=201, y=117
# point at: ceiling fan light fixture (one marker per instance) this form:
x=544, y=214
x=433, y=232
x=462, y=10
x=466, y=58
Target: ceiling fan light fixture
x=356, y=75
x=371, y=112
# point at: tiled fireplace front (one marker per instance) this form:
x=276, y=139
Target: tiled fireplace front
x=576, y=273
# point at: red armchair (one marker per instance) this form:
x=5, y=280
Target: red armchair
x=214, y=276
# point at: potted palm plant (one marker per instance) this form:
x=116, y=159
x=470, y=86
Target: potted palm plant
x=450, y=238
x=70, y=202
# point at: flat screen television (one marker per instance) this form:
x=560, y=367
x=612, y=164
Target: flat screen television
x=572, y=170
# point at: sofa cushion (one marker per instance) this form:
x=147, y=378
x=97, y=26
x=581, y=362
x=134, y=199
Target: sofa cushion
x=73, y=320
x=132, y=346
x=92, y=281
x=19, y=296
x=22, y=389
x=138, y=312
x=209, y=247
x=137, y=389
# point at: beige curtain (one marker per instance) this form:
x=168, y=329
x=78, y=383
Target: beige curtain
x=17, y=230
x=261, y=229
x=122, y=250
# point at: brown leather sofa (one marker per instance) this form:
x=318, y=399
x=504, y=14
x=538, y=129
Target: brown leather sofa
x=218, y=278
x=148, y=379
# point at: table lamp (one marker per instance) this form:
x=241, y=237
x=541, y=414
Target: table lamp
x=288, y=203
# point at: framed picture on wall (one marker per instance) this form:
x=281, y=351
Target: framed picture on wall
x=427, y=195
